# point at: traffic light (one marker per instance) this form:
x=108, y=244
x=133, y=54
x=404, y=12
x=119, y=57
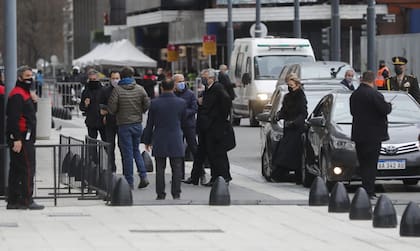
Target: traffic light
x=326, y=35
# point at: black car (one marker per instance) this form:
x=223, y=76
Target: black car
x=330, y=154
x=272, y=131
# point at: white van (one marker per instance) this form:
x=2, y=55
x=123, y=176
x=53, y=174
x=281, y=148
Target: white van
x=255, y=65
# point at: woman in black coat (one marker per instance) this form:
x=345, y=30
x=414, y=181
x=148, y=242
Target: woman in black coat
x=288, y=152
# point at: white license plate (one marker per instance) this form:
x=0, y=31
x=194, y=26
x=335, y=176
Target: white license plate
x=391, y=164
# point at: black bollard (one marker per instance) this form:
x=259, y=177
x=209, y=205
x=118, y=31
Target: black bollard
x=219, y=194
x=384, y=215
x=410, y=221
x=318, y=195
x=339, y=199
x=360, y=208
x=121, y=194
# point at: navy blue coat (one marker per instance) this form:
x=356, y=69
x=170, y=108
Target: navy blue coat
x=192, y=107
x=163, y=131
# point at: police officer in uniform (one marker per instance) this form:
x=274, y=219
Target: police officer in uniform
x=403, y=82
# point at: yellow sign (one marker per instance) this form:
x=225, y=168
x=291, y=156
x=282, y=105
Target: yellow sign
x=172, y=53
x=209, y=45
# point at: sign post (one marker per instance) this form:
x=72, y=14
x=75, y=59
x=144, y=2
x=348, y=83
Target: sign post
x=172, y=55
x=209, y=46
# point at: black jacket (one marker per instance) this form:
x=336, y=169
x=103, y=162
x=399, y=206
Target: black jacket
x=346, y=84
x=369, y=110
x=110, y=118
x=225, y=81
x=2, y=113
x=191, y=111
x=21, y=114
x=294, y=110
x=93, y=91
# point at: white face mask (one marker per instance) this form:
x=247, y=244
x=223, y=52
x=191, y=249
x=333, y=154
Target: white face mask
x=114, y=82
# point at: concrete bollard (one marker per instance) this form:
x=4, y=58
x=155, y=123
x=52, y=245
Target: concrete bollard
x=43, y=118
x=219, y=194
x=121, y=193
x=339, y=199
x=318, y=195
x=410, y=221
x=384, y=215
x=360, y=208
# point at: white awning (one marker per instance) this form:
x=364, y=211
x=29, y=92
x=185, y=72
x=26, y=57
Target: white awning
x=307, y=12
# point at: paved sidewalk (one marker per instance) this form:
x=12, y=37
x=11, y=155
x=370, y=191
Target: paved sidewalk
x=91, y=225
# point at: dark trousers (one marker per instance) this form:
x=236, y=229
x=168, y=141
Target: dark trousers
x=190, y=138
x=176, y=166
x=368, y=155
x=21, y=174
x=199, y=158
x=219, y=162
x=93, y=132
x=110, y=133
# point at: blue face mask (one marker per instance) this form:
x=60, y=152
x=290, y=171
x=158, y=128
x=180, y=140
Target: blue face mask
x=181, y=86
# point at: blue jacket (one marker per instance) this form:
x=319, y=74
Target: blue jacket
x=192, y=107
x=163, y=131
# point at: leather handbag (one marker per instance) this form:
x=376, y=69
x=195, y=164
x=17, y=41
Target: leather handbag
x=148, y=162
x=229, y=141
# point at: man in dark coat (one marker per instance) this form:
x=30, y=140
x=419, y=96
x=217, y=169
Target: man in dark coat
x=369, y=128
x=109, y=120
x=91, y=97
x=402, y=81
x=211, y=121
x=288, y=152
x=182, y=91
x=225, y=81
x=163, y=131
x=148, y=82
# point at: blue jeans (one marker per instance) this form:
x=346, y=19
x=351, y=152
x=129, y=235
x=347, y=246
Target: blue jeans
x=129, y=140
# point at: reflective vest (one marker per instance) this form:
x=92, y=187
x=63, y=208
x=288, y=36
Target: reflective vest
x=380, y=80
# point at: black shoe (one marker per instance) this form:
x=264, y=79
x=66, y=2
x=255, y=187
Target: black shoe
x=35, y=206
x=161, y=197
x=144, y=182
x=176, y=197
x=190, y=181
x=15, y=206
x=203, y=179
x=208, y=184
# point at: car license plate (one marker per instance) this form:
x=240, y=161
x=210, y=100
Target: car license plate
x=391, y=164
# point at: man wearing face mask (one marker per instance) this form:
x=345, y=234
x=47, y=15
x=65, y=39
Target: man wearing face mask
x=182, y=91
x=149, y=82
x=21, y=128
x=91, y=97
x=403, y=82
x=348, y=79
x=109, y=119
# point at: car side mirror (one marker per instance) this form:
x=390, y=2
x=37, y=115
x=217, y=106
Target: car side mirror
x=246, y=78
x=263, y=117
x=317, y=121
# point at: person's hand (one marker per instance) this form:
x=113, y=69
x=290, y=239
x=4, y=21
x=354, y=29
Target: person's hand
x=17, y=146
x=103, y=112
x=87, y=101
x=34, y=97
x=104, y=120
x=148, y=148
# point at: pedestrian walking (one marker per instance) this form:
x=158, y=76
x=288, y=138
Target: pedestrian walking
x=189, y=129
x=382, y=75
x=369, y=128
x=348, y=80
x=129, y=101
x=109, y=120
x=90, y=105
x=21, y=129
x=212, y=122
x=288, y=152
x=163, y=132
x=402, y=81
x=224, y=79
x=39, y=80
x=149, y=82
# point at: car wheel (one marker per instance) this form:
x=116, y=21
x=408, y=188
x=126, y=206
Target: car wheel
x=266, y=169
x=325, y=164
x=307, y=177
x=410, y=182
x=252, y=121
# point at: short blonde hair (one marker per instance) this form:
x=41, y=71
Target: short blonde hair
x=294, y=77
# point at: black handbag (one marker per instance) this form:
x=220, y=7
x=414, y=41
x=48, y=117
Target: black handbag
x=229, y=141
x=148, y=162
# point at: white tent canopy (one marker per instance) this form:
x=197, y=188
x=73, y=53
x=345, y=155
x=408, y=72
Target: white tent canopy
x=118, y=53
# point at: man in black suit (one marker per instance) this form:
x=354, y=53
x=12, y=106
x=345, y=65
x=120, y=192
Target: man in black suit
x=369, y=128
x=212, y=117
x=167, y=115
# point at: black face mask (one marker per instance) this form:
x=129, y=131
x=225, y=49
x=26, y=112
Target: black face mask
x=290, y=89
x=398, y=70
x=204, y=81
x=28, y=81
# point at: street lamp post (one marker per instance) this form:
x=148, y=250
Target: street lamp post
x=296, y=22
x=335, y=30
x=229, y=32
x=258, y=18
x=371, y=35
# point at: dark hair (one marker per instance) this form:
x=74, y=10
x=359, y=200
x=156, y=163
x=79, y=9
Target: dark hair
x=112, y=71
x=167, y=85
x=127, y=72
x=22, y=69
x=368, y=77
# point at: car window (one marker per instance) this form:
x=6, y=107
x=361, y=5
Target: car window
x=269, y=66
x=238, y=69
x=323, y=71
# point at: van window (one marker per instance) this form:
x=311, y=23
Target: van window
x=269, y=67
x=238, y=69
x=248, y=65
